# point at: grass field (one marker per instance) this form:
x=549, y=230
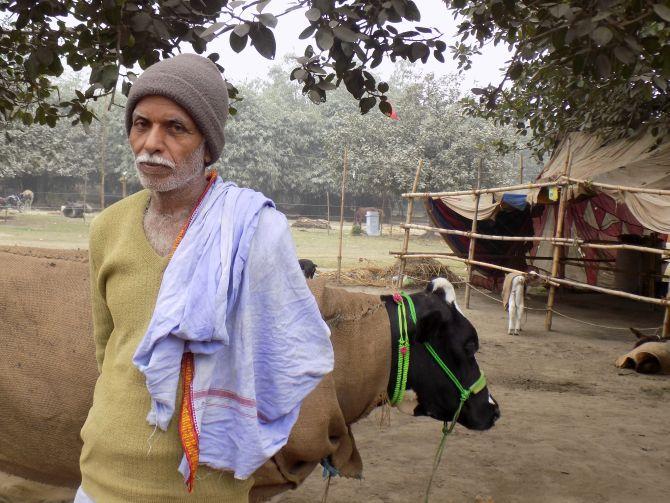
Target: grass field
x=52, y=230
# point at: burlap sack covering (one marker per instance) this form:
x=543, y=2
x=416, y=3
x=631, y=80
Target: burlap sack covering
x=647, y=358
x=360, y=332
x=47, y=364
x=48, y=372
x=507, y=288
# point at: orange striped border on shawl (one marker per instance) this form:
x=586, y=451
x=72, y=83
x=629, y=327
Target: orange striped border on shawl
x=188, y=428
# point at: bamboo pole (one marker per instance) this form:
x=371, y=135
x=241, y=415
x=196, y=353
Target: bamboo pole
x=548, y=279
x=344, y=178
x=520, y=167
x=103, y=158
x=408, y=220
x=492, y=190
x=666, y=319
x=473, y=231
x=624, y=188
x=328, y=210
x=561, y=241
x=558, y=233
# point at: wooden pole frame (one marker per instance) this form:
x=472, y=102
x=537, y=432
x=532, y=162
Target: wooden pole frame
x=666, y=319
x=622, y=188
x=561, y=241
x=492, y=190
x=473, y=231
x=544, y=277
x=344, y=178
x=328, y=210
x=408, y=221
x=558, y=234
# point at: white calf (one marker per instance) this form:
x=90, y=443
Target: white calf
x=516, y=305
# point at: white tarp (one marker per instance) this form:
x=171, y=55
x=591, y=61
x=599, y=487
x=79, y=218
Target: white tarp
x=637, y=162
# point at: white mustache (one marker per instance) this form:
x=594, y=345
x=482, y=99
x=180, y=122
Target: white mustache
x=154, y=159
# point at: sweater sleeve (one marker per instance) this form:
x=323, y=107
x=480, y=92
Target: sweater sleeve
x=102, y=318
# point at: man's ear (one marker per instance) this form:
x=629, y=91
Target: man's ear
x=208, y=156
x=428, y=326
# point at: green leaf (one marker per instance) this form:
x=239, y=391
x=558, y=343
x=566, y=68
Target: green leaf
x=560, y=10
x=263, y=40
x=603, y=66
x=44, y=55
x=418, y=51
x=241, y=29
x=317, y=96
x=307, y=32
x=383, y=87
x=313, y=14
x=624, y=55
x=238, y=43
x=515, y=71
x=412, y=12
x=140, y=21
x=324, y=38
x=662, y=11
x=268, y=19
x=326, y=86
x=210, y=30
x=109, y=76
x=385, y=108
x=262, y=5
x=602, y=35
x=366, y=104
x=345, y=34
x=299, y=74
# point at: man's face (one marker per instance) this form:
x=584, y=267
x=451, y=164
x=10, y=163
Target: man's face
x=169, y=149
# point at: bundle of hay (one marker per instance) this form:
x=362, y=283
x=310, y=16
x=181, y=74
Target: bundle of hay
x=418, y=271
x=311, y=223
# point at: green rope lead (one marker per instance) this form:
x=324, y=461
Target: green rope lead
x=446, y=430
x=403, y=355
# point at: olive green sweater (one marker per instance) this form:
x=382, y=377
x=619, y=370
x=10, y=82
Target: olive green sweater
x=123, y=459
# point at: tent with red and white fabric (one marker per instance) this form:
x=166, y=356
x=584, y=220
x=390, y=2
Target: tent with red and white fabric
x=593, y=214
x=601, y=215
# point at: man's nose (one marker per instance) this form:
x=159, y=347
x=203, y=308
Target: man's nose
x=154, y=141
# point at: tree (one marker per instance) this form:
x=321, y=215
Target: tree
x=594, y=65
x=112, y=36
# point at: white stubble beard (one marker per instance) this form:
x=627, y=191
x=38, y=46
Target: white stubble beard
x=182, y=173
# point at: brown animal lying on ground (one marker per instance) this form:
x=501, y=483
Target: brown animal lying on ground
x=651, y=354
x=48, y=371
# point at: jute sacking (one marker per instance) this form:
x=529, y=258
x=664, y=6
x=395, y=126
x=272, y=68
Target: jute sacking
x=48, y=372
x=47, y=364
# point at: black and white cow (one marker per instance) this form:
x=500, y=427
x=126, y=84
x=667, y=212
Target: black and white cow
x=441, y=323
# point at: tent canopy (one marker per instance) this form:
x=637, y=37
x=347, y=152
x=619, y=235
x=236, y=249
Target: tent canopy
x=638, y=161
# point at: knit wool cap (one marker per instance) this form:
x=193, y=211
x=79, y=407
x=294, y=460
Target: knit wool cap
x=195, y=84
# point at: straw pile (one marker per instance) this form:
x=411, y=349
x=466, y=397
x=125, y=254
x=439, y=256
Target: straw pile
x=311, y=223
x=418, y=271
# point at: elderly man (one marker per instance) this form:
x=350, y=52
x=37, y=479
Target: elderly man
x=207, y=337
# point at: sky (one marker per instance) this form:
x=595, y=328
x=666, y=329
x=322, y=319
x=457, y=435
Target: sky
x=249, y=65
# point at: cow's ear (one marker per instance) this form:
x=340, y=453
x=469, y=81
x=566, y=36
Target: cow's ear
x=428, y=326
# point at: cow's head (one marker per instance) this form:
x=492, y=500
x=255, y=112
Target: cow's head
x=441, y=323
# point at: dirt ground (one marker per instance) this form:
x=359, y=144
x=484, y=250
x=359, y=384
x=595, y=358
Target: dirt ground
x=573, y=427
